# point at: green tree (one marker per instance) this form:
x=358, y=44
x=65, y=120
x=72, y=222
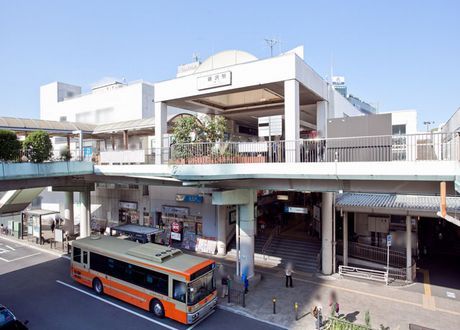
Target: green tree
x=38, y=147
x=10, y=146
x=215, y=128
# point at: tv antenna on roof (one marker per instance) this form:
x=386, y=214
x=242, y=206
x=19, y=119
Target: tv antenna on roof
x=195, y=57
x=271, y=43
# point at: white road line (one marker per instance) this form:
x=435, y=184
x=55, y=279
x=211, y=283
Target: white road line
x=204, y=318
x=9, y=247
x=30, y=255
x=117, y=306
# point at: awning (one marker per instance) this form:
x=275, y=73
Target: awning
x=50, y=126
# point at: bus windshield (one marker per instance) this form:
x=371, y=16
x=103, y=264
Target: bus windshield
x=201, y=288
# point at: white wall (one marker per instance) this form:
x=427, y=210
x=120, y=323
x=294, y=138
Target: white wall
x=405, y=117
x=133, y=101
x=340, y=106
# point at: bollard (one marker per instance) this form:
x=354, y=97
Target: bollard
x=274, y=305
x=244, y=300
x=229, y=290
x=296, y=309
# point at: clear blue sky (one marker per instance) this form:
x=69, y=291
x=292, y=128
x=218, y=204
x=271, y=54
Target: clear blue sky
x=399, y=54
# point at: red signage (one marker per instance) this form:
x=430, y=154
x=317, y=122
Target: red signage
x=175, y=227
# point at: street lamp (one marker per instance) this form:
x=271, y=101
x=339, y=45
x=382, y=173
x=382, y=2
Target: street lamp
x=428, y=123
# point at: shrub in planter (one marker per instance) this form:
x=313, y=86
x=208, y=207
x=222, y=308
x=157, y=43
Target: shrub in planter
x=64, y=154
x=10, y=146
x=38, y=147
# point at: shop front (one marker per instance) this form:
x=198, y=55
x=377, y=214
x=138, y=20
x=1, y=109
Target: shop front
x=128, y=212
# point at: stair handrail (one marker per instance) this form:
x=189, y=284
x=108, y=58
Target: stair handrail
x=267, y=244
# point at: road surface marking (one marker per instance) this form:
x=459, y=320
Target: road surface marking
x=9, y=247
x=30, y=255
x=427, y=299
x=204, y=318
x=450, y=294
x=117, y=306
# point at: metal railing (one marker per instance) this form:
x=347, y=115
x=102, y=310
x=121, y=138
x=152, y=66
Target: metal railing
x=400, y=274
x=364, y=273
x=267, y=244
x=411, y=147
x=373, y=253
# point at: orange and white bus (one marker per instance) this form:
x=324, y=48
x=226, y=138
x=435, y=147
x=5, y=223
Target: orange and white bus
x=154, y=277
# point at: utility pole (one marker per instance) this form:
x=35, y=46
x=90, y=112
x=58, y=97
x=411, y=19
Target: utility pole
x=271, y=43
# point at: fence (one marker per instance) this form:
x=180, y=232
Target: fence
x=412, y=147
x=236, y=296
x=364, y=273
x=373, y=253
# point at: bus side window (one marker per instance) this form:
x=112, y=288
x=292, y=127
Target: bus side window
x=77, y=254
x=85, y=257
x=179, y=290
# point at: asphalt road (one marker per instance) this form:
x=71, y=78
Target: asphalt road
x=38, y=288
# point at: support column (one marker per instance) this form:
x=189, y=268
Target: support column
x=246, y=231
x=68, y=211
x=221, y=230
x=321, y=118
x=408, y=247
x=80, y=141
x=291, y=121
x=125, y=139
x=345, y=238
x=326, y=233
x=85, y=212
x=161, y=112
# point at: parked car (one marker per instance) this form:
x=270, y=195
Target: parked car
x=9, y=322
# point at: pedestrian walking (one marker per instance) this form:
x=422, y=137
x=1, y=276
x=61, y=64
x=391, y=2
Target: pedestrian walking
x=53, y=225
x=334, y=304
x=317, y=312
x=225, y=282
x=289, y=276
x=246, y=283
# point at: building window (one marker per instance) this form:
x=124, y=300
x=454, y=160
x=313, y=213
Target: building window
x=399, y=129
x=63, y=118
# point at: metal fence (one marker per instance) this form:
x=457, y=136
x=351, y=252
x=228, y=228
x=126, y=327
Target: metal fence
x=236, y=296
x=412, y=147
x=373, y=253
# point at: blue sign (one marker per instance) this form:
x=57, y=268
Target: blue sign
x=87, y=152
x=190, y=198
x=389, y=238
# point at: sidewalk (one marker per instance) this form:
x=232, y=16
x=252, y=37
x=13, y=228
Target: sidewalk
x=391, y=307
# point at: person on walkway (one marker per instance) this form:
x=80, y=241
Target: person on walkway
x=333, y=304
x=289, y=275
x=317, y=312
x=225, y=283
x=53, y=225
x=246, y=283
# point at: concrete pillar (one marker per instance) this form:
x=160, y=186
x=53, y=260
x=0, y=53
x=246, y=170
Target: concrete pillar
x=221, y=230
x=326, y=232
x=408, y=247
x=291, y=120
x=161, y=112
x=246, y=235
x=345, y=238
x=321, y=118
x=68, y=211
x=68, y=142
x=80, y=142
x=125, y=139
x=85, y=212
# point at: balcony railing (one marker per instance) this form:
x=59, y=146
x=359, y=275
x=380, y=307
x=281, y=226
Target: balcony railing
x=414, y=147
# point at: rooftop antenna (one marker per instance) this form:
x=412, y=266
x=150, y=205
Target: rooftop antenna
x=271, y=43
x=196, y=57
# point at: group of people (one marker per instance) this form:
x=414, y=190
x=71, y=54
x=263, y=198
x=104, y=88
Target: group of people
x=317, y=308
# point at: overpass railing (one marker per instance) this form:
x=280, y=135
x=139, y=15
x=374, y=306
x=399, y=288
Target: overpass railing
x=383, y=148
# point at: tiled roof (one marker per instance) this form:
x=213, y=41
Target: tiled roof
x=396, y=201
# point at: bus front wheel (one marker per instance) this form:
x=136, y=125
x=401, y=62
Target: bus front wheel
x=156, y=307
x=97, y=286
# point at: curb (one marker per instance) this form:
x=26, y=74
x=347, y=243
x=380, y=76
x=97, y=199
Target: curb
x=13, y=240
x=246, y=314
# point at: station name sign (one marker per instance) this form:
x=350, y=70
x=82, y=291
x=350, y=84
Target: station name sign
x=214, y=80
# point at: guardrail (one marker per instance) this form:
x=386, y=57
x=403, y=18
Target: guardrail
x=373, y=253
x=267, y=244
x=412, y=147
x=364, y=273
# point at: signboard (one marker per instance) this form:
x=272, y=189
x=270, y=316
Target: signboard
x=206, y=246
x=176, y=236
x=189, y=198
x=176, y=210
x=36, y=226
x=338, y=80
x=127, y=205
x=214, y=80
x=270, y=126
x=175, y=227
x=252, y=147
x=292, y=209
x=389, y=239
x=58, y=235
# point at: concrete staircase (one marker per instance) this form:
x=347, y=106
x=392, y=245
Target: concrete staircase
x=302, y=254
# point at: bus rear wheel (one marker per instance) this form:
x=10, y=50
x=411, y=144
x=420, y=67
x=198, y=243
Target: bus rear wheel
x=97, y=286
x=156, y=307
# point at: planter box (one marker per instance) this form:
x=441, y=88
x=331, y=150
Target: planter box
x=251, y=159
